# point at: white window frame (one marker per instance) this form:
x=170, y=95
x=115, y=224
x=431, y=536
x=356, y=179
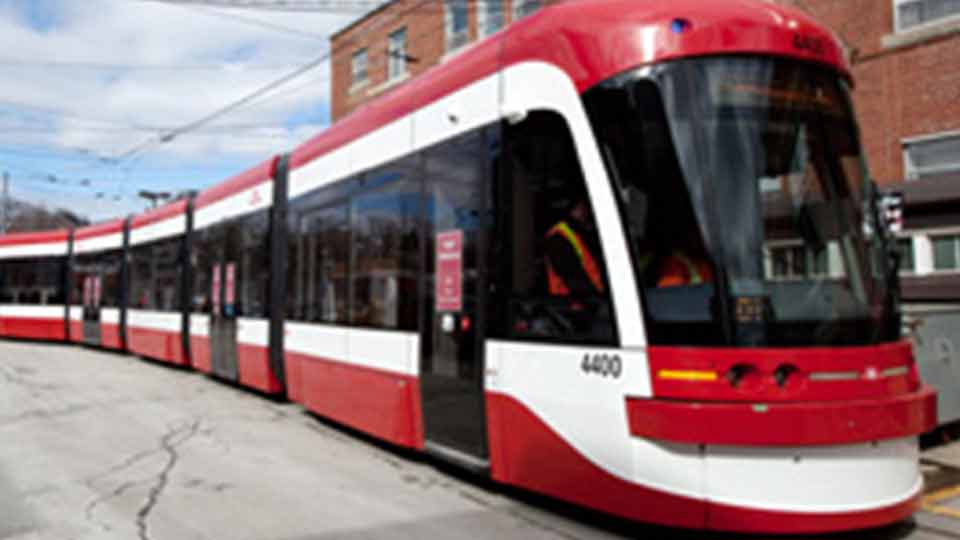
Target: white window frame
x=397, y=56
x=455, y=41
x=898, y=26
x=911, y=171
x=516, y=9
x=354, y=81
x=483, y=22
x=941, y=234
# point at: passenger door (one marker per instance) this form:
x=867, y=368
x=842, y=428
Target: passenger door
x=456, y=235
x=223, y=312
x=92, y=298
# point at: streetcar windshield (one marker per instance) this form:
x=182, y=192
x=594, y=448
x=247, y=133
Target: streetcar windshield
x=746, y=197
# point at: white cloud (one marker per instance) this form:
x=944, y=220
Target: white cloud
x=106, y=112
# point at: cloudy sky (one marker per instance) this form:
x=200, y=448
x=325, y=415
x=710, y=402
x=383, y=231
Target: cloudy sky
x=87, y=81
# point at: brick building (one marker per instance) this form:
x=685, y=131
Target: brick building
x=403, y=38
x=905, y=56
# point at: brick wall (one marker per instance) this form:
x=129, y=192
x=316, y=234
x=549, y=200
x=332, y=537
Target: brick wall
x=906, y=85
x=426, y=42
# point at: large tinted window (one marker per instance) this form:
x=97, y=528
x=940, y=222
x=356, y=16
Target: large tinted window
x=553, y=270
x=322, y=266
x=155, y=275
x=355, y=250
x=32, y=281
x=384, y=223
x=239, y=247
x=100, y=271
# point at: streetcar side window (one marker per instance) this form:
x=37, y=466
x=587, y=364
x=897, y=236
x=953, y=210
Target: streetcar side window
x=557, y=285
x=253, y=281
x=155, y=280
x=32, y=281
x=384, y=222
x=203, y=258
x=323, y=261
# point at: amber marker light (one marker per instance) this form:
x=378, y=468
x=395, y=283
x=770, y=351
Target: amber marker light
x=687, y=375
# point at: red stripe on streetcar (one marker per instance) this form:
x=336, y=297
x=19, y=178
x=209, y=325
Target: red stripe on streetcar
x=253, y=363
x=158, y=345
x=815, y=374
x=33, y=328
x=783, y=424
x=382, y=403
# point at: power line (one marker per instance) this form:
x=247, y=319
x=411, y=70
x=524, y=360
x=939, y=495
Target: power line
x=281, y=5
x=41, y=63
x=173, y=133
x=255, y=22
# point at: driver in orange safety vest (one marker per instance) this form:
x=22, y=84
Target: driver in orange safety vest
x=572, y=267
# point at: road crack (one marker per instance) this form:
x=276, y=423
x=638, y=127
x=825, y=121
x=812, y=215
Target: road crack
x=168, y=444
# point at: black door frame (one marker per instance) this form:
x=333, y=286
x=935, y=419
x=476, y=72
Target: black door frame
x=441, y=449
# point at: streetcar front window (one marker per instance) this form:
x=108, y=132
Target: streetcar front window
x=745, y=195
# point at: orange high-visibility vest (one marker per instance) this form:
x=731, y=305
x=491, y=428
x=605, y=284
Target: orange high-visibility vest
x=684, y=271
x=590, y=267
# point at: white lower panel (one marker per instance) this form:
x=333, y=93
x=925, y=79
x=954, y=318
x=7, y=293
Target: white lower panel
x=164, y=321
x=200, y=324
x=814, y=479
x=253, y=332
x=110, y=315
x=32, y=312
x=76, y=313
x=396, y=352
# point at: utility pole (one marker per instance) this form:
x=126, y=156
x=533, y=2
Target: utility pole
x=5, y=208
x=154, y=196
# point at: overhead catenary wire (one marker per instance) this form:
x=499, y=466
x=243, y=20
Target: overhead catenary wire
x=252, y=96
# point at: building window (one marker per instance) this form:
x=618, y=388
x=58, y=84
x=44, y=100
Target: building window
x=359, y=67
x=932, y=155
x=905, y=248
x=489, y=17
x=456, y=22
x=797, y=262
x=522, y=8
x=913, y=13
x=397, y=54
x=946, y=252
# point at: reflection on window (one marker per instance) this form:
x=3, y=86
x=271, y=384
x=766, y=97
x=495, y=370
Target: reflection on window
x=155, y=275
x=797, y=262
x=323, y=264
x=385, y=250
x=107, y=267
x=946, y=252
x=32, y=281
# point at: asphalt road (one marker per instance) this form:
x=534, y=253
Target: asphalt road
x=96, y=445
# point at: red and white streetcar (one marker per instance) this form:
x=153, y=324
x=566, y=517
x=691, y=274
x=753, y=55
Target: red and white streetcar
x=395, y=273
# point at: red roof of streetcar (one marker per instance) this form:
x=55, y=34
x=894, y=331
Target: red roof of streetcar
x=159, y=214
x=43, y=237
x=99, y=229
x=249, y=178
